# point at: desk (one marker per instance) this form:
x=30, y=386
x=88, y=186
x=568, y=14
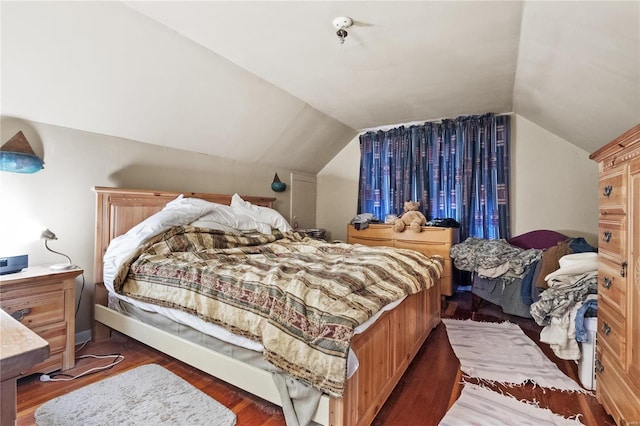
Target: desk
x=20, y=349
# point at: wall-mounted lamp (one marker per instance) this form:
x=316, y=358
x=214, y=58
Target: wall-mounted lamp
x=277, y=185
x=47, y=236
x=341, y=23
x=17, y=156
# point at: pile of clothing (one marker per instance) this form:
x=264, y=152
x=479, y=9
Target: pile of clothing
x=569, y=297
x=493, y=258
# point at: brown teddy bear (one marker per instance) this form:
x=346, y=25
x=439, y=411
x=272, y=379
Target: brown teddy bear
x=411, y=218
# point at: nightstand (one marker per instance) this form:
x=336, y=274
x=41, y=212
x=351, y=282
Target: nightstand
x=44, y=301
x=315, y=233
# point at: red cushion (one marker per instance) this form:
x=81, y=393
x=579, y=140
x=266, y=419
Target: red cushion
x=539, y=239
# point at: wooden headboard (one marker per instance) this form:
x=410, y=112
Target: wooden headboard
x=119, y=210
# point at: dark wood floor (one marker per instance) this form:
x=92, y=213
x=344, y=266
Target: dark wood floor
x=428, y=388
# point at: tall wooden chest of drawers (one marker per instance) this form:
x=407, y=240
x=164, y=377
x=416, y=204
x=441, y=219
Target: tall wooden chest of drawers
x=618, y=336
x=44, y=301
x=432, y=240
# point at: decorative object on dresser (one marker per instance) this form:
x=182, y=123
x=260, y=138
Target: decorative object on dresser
x=432, y=240
x=43, y=300
x=618, y=336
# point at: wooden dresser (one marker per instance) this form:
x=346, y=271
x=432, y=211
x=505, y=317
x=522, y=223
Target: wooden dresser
x=432, y=240
x=44, y=301
x=618, y=336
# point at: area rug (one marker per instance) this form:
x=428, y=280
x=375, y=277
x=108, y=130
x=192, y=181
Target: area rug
x=147, y=395
x=502, y=352
x=479, y=406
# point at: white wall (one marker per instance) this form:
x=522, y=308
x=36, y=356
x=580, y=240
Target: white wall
x=102, y=67
x=337, y=190
x=554, y=185
x=60, y=196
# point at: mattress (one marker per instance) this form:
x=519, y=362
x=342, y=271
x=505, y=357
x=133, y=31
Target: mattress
x=212, y=336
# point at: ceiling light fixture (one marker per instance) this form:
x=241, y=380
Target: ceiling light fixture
x=341, y=23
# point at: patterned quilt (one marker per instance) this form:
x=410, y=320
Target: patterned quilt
x=301, y=298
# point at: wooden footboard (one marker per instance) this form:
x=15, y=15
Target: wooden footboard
x=384, y=350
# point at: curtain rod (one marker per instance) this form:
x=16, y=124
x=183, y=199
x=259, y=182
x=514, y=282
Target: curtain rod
x=414, y=123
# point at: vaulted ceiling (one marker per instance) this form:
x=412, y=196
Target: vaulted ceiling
x=269, y=82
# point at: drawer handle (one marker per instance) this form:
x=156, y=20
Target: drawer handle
x=623, y=270
x=606, y=282
x=19, y=315
x=606, y=236
x=599, y=366
x=607, y=191
x=606, y=329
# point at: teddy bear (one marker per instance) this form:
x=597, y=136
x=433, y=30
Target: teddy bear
x=411, y=218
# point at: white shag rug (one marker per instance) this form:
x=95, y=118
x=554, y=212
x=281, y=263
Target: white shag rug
x=146, y=395
x=479, y=406
x=502, y=352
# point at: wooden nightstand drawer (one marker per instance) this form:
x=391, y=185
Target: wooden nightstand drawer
x=38, y=309
x=56, y=335
x=46, y=299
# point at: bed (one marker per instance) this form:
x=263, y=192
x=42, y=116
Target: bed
x=504, y=270
x=383, y=350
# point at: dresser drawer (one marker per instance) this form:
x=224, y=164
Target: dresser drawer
x=428, y=234
x=374, y=232
x=368, y=241
x=619, y=400
x=611, y=332
x=612, y=287
x=612, y=193
x=428, y=248
x=612, y=238
x=38, y=309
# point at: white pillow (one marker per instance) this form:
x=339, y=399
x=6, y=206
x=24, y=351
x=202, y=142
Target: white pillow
x=228, y=217
x=209, y=224
x=260, y=213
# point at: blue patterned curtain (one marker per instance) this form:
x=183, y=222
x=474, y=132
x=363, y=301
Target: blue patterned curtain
x=457, y=168
x=385, y=172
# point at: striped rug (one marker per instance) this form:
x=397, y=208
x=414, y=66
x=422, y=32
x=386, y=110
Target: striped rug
x=501, y=352
x=479, y=406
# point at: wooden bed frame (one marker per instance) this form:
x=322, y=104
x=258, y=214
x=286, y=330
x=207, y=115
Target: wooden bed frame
x=384, y=350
